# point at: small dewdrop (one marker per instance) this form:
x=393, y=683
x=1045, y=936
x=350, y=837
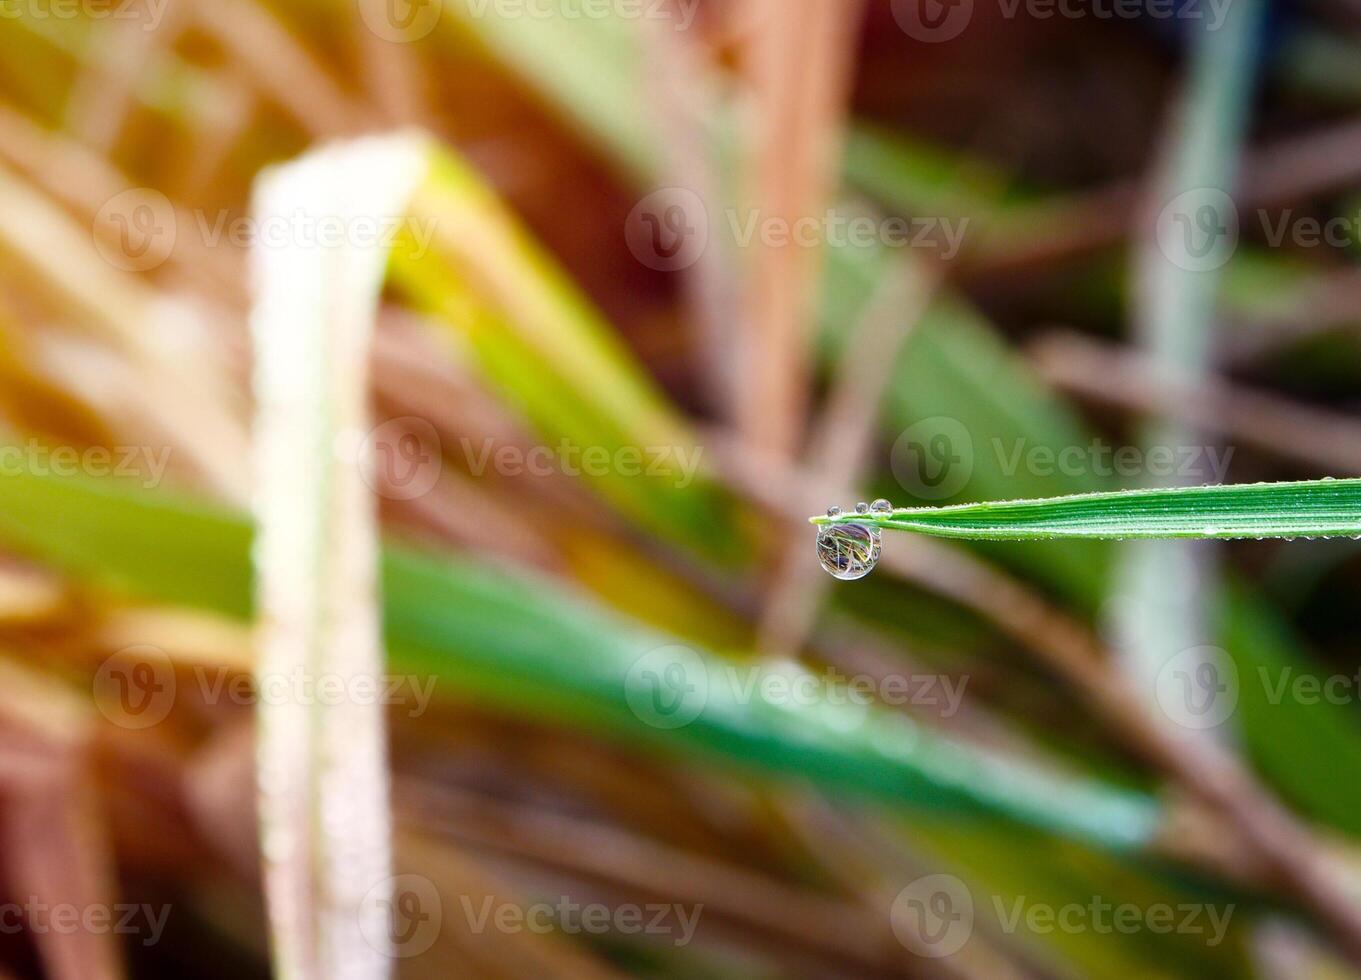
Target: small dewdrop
x=834, y=511
x=848, y=551
x=881, y=508
x=862, y=509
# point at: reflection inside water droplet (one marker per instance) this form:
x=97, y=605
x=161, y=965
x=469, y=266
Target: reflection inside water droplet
x=848, y=551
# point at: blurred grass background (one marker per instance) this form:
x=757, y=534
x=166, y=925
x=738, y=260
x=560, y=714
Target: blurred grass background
x=574, y=283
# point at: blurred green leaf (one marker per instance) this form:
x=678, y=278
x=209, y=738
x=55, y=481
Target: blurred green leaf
x=527, y=645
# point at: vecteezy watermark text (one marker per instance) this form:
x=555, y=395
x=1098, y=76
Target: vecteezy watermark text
x=1104, y=917
x=679, y=13
x=670, y=229
x=841, y=230
x=137, y=230
x=405, y=21
x=670, y=686
x=935, y=21
x=669, y=920
x=149, y=13
x=680, y=463
x=934, y=916
x=32, y=457
x=1099, y=458
x=935, y=458
x=403, y=459
x=66, y=918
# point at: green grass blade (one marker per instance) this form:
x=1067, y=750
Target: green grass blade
x=1310, y=509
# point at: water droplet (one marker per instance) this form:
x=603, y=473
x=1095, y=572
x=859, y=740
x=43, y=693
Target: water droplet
x=834, y=511
x=881, y=508
x=848, y=551
x=862, y=508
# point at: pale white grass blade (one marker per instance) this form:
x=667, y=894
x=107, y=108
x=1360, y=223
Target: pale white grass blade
x=322, y=768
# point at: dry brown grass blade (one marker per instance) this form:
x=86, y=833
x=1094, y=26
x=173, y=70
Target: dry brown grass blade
x=797, y=64
x=685, y=92
x=188, y=637
x=86, y=181
x=1321, y=161
x=223, y=121
x=103, y=94
x=191, y=408
x=457, y=886
x=1328, y=303
x=28, y=594
x=840, y=444
x=800, y=922
x=50, y=825
x=281, y=66
x=872, y=862
x=218, y=782
x=395, y=76
x=1117, y=376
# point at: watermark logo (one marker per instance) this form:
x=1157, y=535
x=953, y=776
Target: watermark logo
x=136, y=230
x=667, y=688
x=1198, y=229
x=668, y=230
x=401, y=21
x=1198, y=688
x=402, y=916
x=408, y=693
x=933, y=21
x=933, y=916
x=404, y=458
x=934, y=458
x=135, y=687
